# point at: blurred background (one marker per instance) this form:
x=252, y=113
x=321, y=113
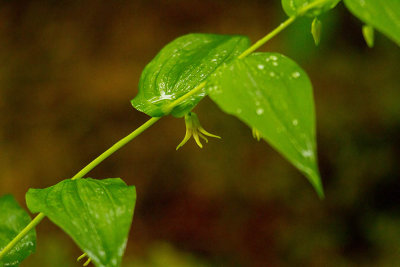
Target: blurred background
x=69, y=69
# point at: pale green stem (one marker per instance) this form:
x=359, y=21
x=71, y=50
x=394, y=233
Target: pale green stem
x=115, y=147
x=151, y=121
x=21, y=234
x=267, y=37
x=80, y=174
x=192, y=92
x=280, y=28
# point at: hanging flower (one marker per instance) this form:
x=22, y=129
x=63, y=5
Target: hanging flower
x=193, y=127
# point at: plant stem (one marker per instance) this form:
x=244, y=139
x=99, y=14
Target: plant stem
x=184, y=97
x=115, y=147
x=21, y=234
x=79, y=175
x=281, y=27
x=268, y=37
x=247, y=52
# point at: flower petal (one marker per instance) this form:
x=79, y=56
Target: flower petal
x=185, y=139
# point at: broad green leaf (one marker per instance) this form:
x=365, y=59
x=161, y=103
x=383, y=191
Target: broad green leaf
x=383, y=15
x=97, y=214
x=12, y=220
x=297, y=7
x=179, y=67
x=273, y=95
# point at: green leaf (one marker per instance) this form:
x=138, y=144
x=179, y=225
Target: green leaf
x=383, y=15
x=97, y=214
x=298, y=7
x=179, y=67
x=272, y=94
x=12, y=220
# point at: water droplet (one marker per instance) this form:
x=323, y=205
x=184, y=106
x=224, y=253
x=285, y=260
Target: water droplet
x=296, y=74
x=275, y=63
x=260, y=111
x=215, y=89
x=295, y=122
x=273, y=58
x=260, y=66
x=307, y=153
x=272, y=74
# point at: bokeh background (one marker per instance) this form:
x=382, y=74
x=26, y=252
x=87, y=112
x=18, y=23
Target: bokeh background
x=69, y=69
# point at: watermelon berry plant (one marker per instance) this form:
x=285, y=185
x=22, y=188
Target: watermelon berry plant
x=267, y=91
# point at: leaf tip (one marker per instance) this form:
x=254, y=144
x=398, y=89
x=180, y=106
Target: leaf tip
x=315, y=180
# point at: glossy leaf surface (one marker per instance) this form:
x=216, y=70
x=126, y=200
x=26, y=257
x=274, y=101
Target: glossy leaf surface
x=295, y=7
x=179, y=67
x=273, y=95
x=383, y=15
x=97, y=214
x=13, y=219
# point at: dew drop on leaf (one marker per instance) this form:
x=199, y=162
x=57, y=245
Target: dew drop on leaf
x=296, y=74
x=260, y=111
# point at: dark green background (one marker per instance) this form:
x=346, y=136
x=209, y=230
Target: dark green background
x=69, y=69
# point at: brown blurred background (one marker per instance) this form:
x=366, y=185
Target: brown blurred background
x=69, y=69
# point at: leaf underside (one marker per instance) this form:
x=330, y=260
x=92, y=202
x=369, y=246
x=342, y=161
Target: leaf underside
x=97, y=214
x=179, y=67
x=292, y=7
x=384, y=15
x=13, y=220
x=271, y=93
